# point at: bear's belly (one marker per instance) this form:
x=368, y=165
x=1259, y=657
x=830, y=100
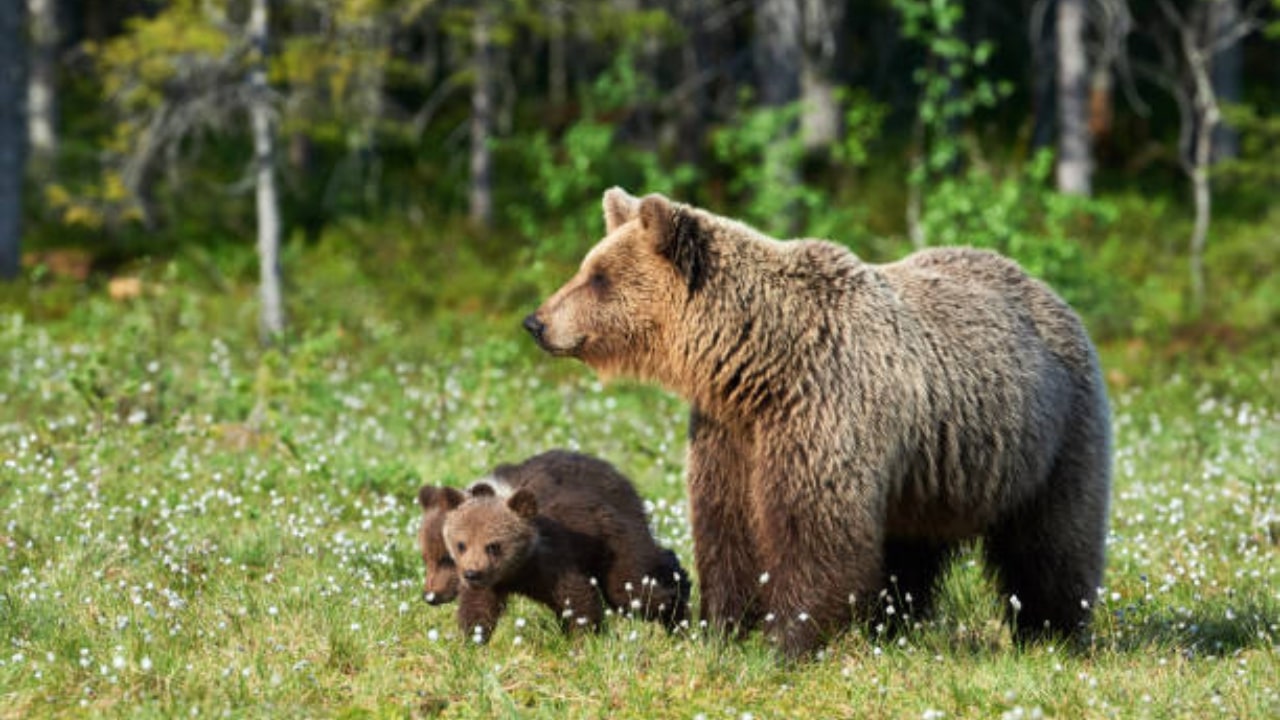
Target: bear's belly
x=935, y=520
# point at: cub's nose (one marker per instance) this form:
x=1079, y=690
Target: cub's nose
x=472, y=575
x=535, y=326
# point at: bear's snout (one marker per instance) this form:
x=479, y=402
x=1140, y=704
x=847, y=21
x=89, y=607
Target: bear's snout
x=535, y=327
x=474, y=577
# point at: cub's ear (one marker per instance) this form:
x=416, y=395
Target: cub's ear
x=619, y=207
x=523, y=503
x=445, y=498
x=678, y=237
x=480, y=490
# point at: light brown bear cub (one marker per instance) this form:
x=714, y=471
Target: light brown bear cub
x=542, y=473
x=853, y=423
x=566, y=530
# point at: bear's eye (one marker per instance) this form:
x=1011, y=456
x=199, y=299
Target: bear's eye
x=445, y=561
x=493, y=549
x=599, y=280
x=462, y=547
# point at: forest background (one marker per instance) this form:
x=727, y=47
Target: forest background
x=264, y=263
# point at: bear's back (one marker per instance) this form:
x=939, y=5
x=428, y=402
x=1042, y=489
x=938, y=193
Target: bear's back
x=569, y=484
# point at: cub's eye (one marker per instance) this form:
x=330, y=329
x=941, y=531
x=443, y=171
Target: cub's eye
x=445, y=561
x=493, y=549
x=599, y=280
x=462, y=547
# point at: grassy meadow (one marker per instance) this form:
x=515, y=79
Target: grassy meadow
x=193, y=527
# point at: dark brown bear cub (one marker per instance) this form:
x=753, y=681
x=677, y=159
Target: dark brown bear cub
x=565, y=550
x=565, y=529
x=543, y=473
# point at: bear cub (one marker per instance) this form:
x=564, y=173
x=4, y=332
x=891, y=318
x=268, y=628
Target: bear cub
x=563, y=529
x=543, y=473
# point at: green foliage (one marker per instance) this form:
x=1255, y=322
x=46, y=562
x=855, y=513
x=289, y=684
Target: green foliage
x=758, y=153
x=1259, y=161
x=1022, y=217
x=570, y=172
x=953, y=84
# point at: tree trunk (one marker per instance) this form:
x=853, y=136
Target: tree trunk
x=1207, y=117
x=42, y=83
x=694, y=107
x=778, y=51
x=481, y=197
x=13, y=134
x=779, y=57
x=1227, y=73
x=820, y=118
x=1074, y=162
x=271, y=320
x=1044, y=50
x=557, y=64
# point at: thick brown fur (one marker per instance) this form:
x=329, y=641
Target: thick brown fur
x=570, y=532
x=851, y=422
x=542, y=473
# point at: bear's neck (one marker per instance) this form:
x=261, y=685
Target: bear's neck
x=739, y=344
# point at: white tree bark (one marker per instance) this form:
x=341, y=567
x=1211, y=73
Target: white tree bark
x=481, y=192
x=1074, y=166
x=42, y=93
x=778, y=51
x=820, y=119
x=13, y=134
x=271, y=320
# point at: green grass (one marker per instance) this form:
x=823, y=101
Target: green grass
x=161, y=555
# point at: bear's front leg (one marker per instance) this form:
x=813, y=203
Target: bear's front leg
x=478, y=611
x=818, y=528
x=723, y=546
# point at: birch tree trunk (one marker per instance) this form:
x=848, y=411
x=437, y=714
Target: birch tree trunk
x=1207, y=117
x=481, y=193
x=13, y=134
x=778, y=59
x=42, y=86
x=271, y=321
x=1074, y=163
x=820, y=118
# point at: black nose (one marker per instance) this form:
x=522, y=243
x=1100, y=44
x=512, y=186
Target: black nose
x=534, y=326
x=471, y=575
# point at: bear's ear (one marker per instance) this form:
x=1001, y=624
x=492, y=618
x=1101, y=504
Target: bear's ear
x=678, y=237
x=619, y=207
x=523, y=503
x=482, y=489
x=445, y=498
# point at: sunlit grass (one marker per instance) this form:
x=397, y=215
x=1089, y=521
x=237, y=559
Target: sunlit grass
x=166, y=551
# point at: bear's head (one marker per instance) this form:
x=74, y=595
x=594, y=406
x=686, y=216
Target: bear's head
x=617, y=314
x=491, y=538
x=441, y=583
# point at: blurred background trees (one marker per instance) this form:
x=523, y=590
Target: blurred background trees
x=447, y=142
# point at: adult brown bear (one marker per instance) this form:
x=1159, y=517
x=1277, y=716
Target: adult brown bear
x=852, y=422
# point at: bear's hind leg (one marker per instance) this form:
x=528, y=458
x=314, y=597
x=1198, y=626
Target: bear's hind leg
x=1050, y=553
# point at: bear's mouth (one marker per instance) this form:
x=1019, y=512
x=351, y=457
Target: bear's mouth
x=572, y=350
x=538, y=330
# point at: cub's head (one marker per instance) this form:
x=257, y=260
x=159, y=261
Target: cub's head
x=441, y=584
x=489, y=537
x=616, y=314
